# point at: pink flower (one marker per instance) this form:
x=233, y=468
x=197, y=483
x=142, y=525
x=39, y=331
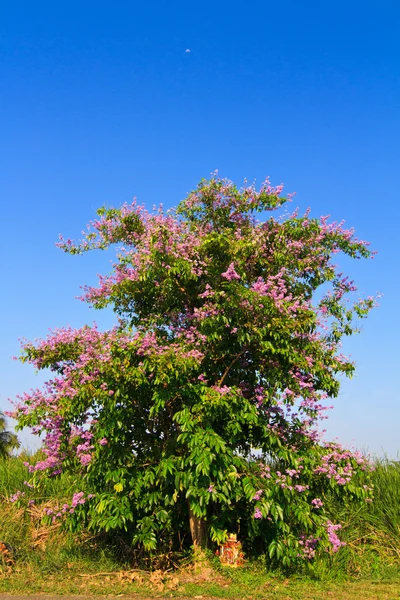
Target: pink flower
x=78, y=498
x=317, y=503
x=15, y=497
x=301, y=488
x=332, y=536
x=222, y=390
x=230, y=273
x=260, y=286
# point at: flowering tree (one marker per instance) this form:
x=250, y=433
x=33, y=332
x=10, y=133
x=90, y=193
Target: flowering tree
x=199, y=410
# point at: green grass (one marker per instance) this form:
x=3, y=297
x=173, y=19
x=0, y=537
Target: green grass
x=205, y=583
x=13, y=474
x=384, y=513
x=371, y=532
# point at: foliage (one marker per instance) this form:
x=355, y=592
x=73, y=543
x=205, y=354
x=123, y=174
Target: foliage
x=203, y=401
x=8, y=441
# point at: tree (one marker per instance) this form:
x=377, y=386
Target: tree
x=199, y=409
x=8, y=441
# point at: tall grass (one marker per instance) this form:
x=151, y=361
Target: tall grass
x=38, y=548
x=23, y=529
x=14, y=473
x=384, y=512
x=371, y=531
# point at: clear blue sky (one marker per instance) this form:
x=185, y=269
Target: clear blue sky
x=100, y=101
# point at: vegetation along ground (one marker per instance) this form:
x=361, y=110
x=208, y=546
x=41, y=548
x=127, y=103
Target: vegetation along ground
x=43, y=558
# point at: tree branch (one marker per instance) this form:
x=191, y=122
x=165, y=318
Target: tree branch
x=228, y=368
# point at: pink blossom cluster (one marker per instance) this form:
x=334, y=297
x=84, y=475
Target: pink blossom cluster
x=230, y=202
x=17, y=496
x=258, y=495
x=338, y=464
x=284, y=481
x=265, y=470
x=278, y=288
x=92, y=352
x=332, y=535
x=317, y=503
x=309, y=546
x=153, y=235
x=79, y=498
x=149, y=344
x=230, y=274
x=84, y=449
x=223, y=390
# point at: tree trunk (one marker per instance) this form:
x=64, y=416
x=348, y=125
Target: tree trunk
x=198, y=530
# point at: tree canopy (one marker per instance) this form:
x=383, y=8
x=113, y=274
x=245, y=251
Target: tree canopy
x=198, y=412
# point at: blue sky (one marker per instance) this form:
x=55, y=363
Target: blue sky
x=100, y=102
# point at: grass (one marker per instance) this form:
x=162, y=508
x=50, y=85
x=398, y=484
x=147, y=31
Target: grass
x=14, y=473
x=45, y=559
x=206, y=583
x=371, y=532
x=24, y=530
